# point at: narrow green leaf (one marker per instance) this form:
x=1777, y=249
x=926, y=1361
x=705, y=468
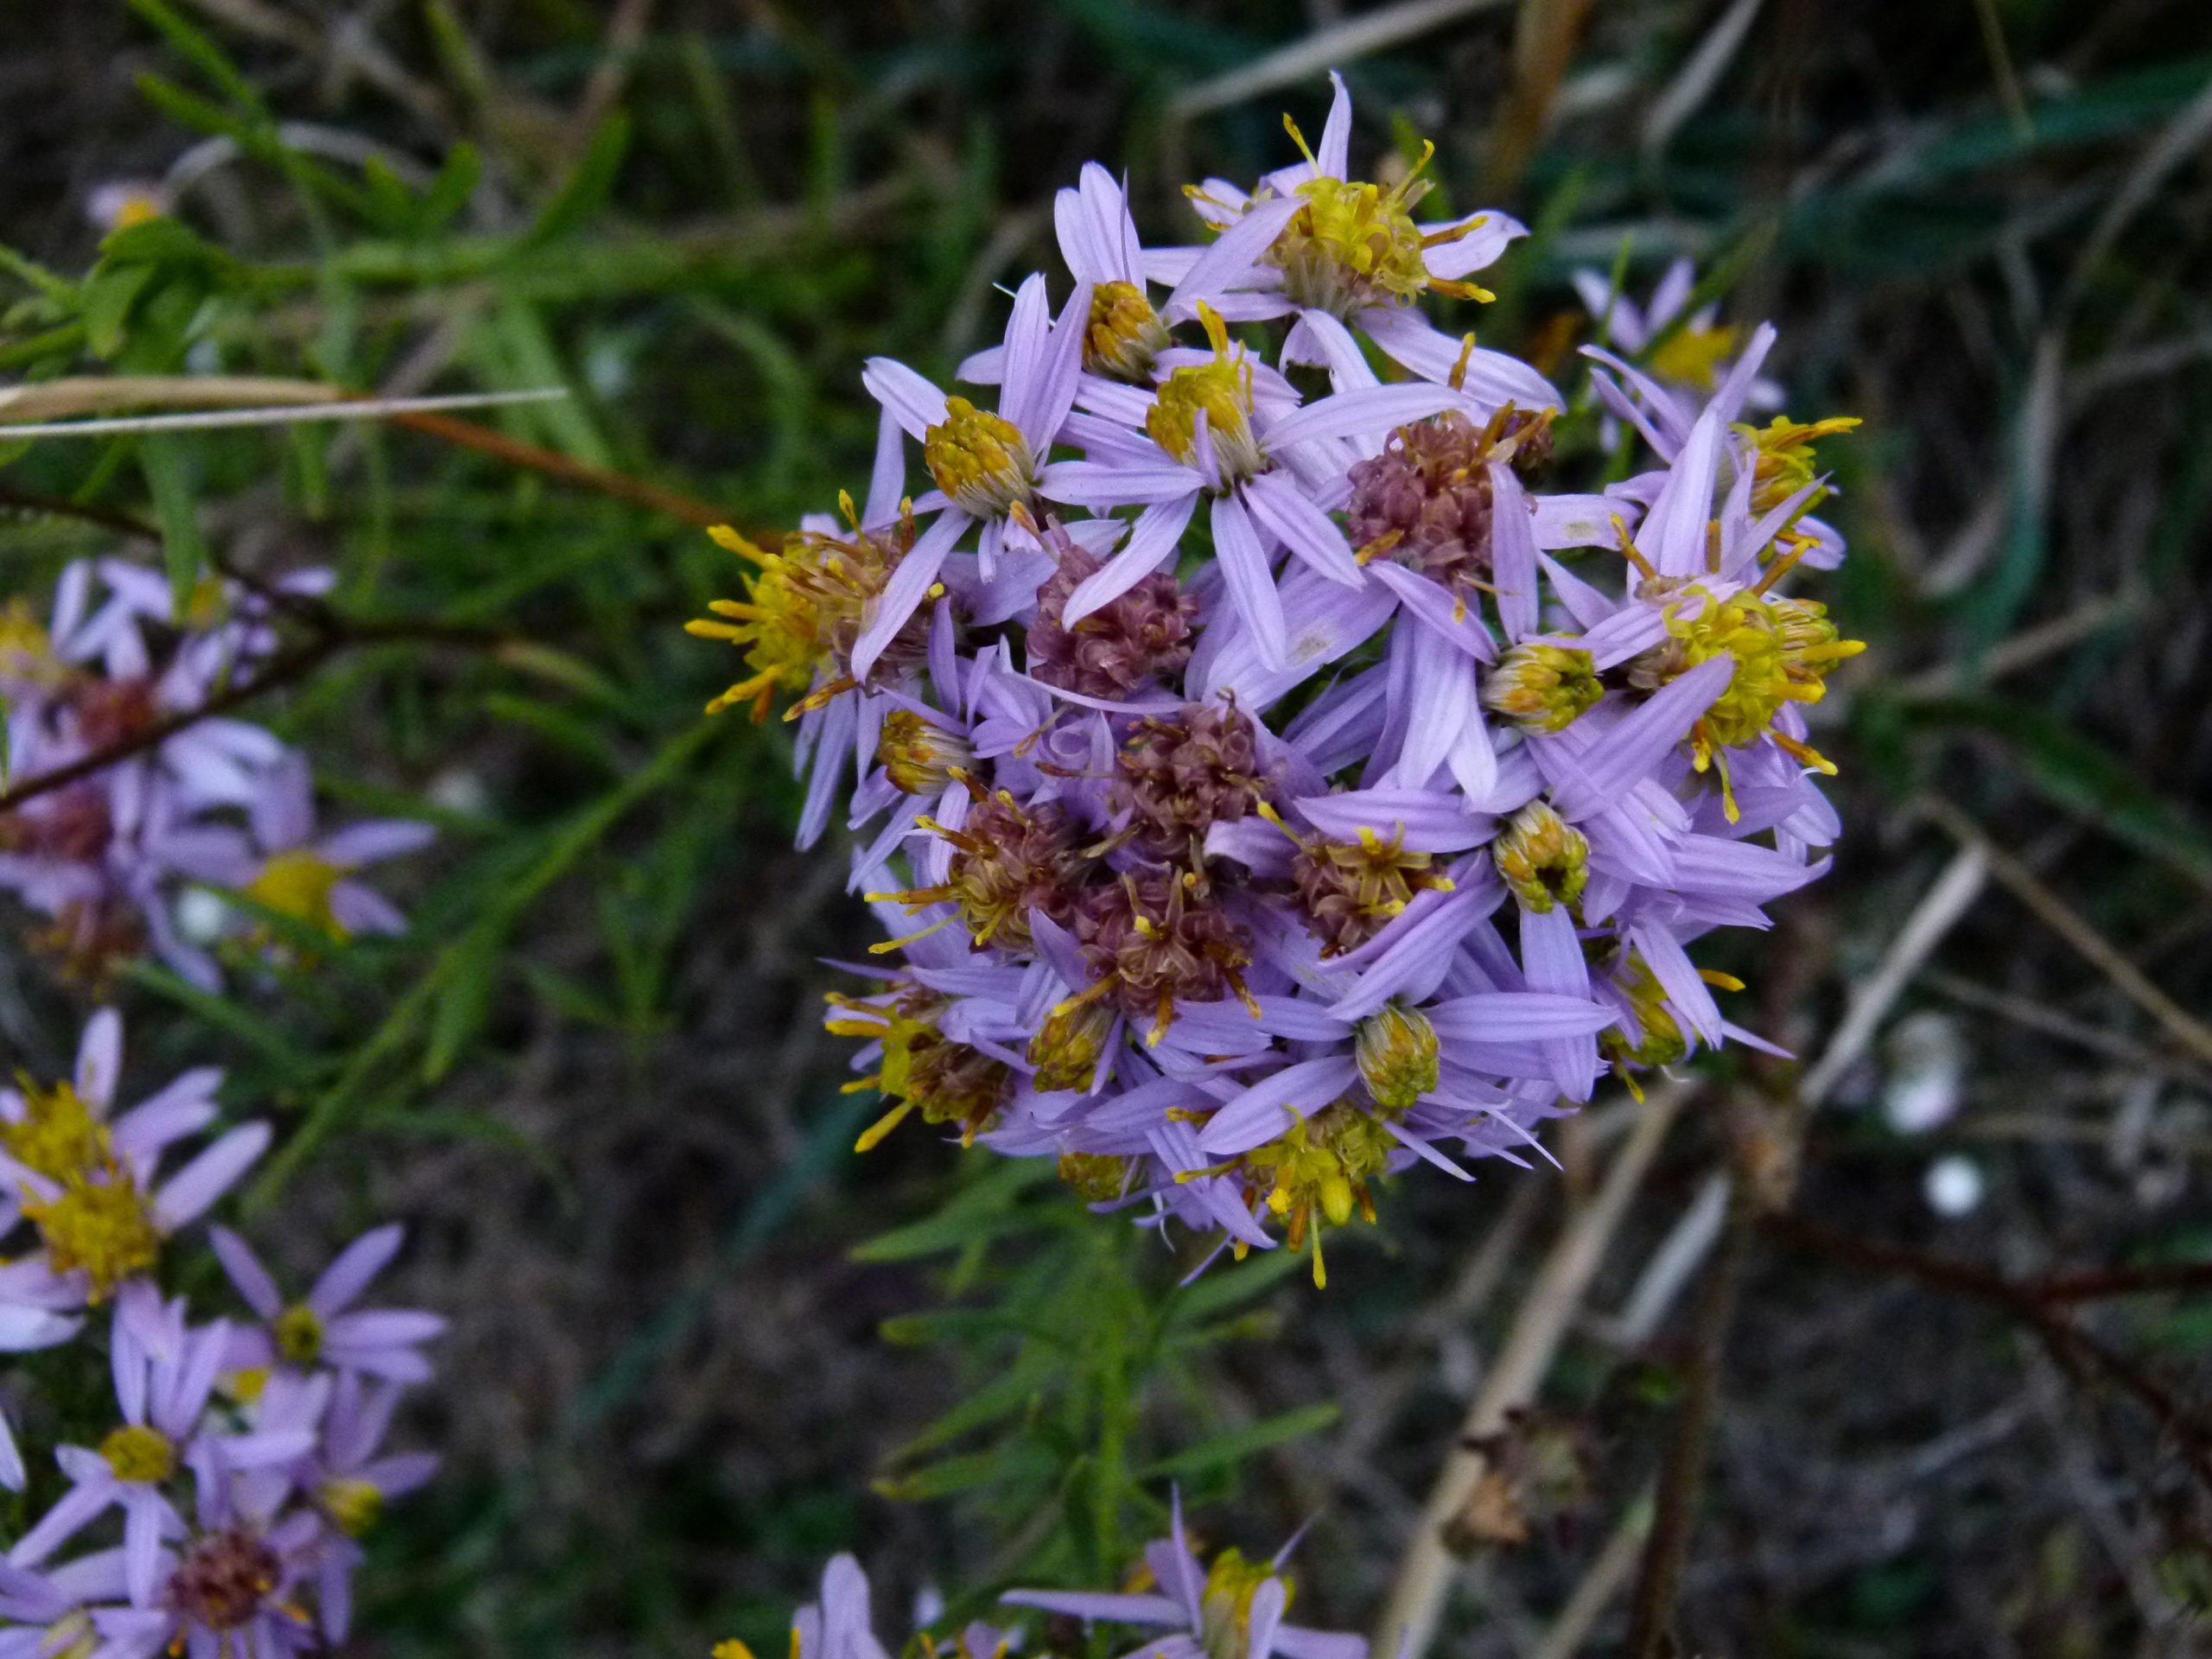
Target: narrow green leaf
x=1236, y=1447
x=471, y=973
x=586, y=189
x=168, y=477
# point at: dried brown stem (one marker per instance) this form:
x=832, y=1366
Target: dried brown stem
x=2078, y=1353
x=1681, y=1473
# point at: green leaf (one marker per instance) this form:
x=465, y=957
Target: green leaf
x=2083, y=776
x=586, y=189
x=450, y=191
x=1225, y=1289
x=941, y=1233
x=1023, y=1460
x=471, y=973
x=108, y=294
x=162, y=454
x=224, y=1014
x=1236, y=1447
x=202, y=51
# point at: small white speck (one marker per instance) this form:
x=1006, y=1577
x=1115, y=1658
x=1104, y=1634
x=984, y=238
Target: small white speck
x=1954, y=1186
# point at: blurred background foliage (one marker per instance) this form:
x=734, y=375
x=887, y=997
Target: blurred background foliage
x=698, y=1345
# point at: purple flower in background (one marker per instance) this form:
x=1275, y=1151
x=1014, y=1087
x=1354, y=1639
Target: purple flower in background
x=89, y=1186
x=164, y=1373
x=323, y=1328
x=225, y=1588
x=49, y=1615
x=286, y=867
x=1233, y=1610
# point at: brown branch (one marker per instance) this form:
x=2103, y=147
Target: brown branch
x=2124, y=1281
x=282, y=669
x=61, y=506
x=1682, y=1472
x=468, y=435
x=2077, y=1352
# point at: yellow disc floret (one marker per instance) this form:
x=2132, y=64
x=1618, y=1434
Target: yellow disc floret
x=1221, y=391
x=920, y=756
x=922, y=1069
x=1353, y=244
x=298, y=1331
x=1095, y=1177
x=354, y=1506
x=1543, y=688
x=297, y=883
x=1783, y=462
x=1692, y=355
x=137, y=1453
x=1783, y=650
x=1225, y=1604
x=103, y=1227
x=979, y=460
x=1124, y=333
x=804, y=612
x=57, y=1135
x=1318, y=1170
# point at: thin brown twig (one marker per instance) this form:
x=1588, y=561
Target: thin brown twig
x=2074, y=1348
x=284, y=669
x=2157, y=1278
x=61, y=506
x=1682, y=1472
x=468, y=435
x=1539, y=1327
x=2073, y=927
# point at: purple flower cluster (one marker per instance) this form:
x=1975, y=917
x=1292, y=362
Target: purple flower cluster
x=1232, y=1609
x=1271, y=783
x=110, y=860
x=246, y=1458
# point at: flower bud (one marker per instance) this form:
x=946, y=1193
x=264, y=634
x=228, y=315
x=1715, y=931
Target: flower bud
x=1543, y=858
x=1543, y=688
x=1067, y=1047
x=920, y=756
x=1397, y=1052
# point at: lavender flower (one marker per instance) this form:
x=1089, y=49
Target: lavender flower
x=104, y=858
x=1232, y=1609
x=1242, y=860
x=89, y=1186
x=164, y=1373
x=322, y=1329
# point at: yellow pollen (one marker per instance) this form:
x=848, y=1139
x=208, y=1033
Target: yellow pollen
x=57, y=1134
x=978, y=459
x=102, y=1226
x=354, y=1506
x=139, y=1454
x=298, y=1331
x=296, y=883
x=732, y=1649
